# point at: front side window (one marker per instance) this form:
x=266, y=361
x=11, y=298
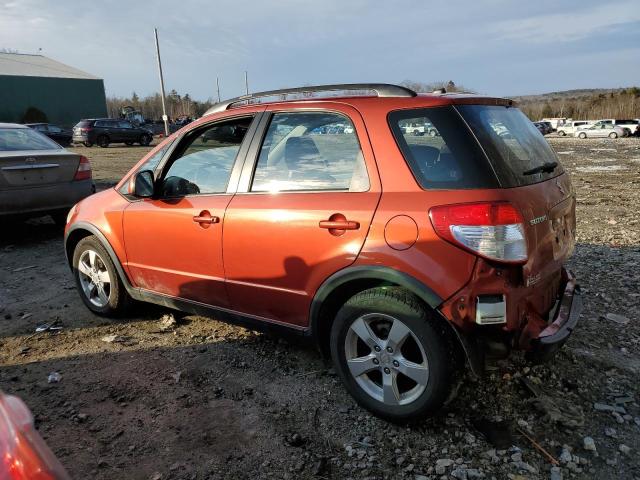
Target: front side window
x=15, y=139
x=310, y=151
x=202, y=164
x=124, y=125
x=150, y=163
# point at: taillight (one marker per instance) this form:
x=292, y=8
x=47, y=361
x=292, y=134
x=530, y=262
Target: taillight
x=84, y=169
x=494, y=230
x=85, y=129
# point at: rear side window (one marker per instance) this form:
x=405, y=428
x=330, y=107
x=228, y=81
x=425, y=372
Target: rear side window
x=514, y=146
x=310, y=151
x=440, y=150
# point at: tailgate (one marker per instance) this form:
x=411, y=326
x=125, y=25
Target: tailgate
x=20, y=169
x=549, y=213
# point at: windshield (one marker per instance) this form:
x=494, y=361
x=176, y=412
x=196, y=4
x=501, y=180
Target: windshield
x=518, y=152
x=16, y=139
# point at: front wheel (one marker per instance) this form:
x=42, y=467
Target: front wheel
x=391, y=354
x=97, y=279
x=582, y=135
x=145, y=140
x=613, y=135
x=87, y=144
x=561, y=133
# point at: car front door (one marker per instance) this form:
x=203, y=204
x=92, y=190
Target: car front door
x=173, y=241
x=302, y=211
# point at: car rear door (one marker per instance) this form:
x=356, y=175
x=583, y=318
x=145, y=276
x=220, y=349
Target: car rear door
x=173, y=241
x=302, y=211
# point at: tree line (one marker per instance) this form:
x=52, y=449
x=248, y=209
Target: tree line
x=151, y=106
x=621, y=104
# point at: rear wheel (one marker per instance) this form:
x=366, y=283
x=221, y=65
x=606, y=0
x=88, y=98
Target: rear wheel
x=97, y=279
x=87, y=144
x=128, y=143
x=582, y=135
x=103, y=141
x=416, y=133
x=613, y=135
x=561, y=133
x=391, y=354
x=145, y=140
x=432, y=133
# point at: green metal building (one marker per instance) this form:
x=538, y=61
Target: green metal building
x=32, y=85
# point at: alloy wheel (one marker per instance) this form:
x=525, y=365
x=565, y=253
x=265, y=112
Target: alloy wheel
x=386, y=359
x=94, y=278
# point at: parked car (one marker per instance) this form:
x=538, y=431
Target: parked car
x=104, y=131
x=541, y=127
x=571, y=127
x=37, y=176
x=59, y=135
x=600, y=130
x=400, y=259
x=629, y=126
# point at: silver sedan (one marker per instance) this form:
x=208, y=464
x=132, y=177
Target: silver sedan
x=39, y=177
x=599, y=131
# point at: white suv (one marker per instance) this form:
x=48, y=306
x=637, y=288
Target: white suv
x=569, y=128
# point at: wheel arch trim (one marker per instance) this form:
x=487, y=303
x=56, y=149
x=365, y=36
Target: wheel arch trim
x=387, y=274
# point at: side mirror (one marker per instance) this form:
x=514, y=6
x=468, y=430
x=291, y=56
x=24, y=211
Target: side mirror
x=141, y=185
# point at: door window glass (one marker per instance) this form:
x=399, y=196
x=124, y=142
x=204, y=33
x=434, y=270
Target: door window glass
x=310, y=151
x=203, y=164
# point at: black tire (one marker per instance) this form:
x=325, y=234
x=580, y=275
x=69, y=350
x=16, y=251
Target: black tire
x=145, y=140
x=425, y=329
x=128, y=143
x=87, y=144
x=102, y=141
x=561, y=133
x=119, y=300
x=582, y=135
x=416, y=133
x=613, y=135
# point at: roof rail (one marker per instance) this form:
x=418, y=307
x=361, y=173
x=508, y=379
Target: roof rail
x=381, y=90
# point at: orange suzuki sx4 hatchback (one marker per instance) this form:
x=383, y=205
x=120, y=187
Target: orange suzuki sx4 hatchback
x=408, y=234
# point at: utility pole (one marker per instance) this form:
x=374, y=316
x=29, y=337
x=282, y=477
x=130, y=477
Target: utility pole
x=218, y=86
x=246, y=82
x=165, y=119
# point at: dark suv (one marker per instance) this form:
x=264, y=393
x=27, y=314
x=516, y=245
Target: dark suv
x=400, y=254
x=103, y=131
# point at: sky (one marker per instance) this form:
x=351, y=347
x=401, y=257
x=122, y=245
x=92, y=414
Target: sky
x=495, y=47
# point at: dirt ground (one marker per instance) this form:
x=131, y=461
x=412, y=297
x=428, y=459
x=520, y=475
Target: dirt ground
x=205, y=400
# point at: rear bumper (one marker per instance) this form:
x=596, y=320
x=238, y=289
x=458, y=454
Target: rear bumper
x=564, y=321
x=25, y=201
x=566, y=316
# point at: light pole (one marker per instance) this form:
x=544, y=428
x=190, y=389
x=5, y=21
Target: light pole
x=165, y=119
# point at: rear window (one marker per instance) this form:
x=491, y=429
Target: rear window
x=84, y=123
x=513, y=144
x=16, y=139
x=440, y=150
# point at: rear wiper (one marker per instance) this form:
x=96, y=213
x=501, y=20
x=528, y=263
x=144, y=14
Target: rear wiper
x=544, y=168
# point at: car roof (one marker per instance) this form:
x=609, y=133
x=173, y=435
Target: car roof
x=12, y=125
x=385, y=95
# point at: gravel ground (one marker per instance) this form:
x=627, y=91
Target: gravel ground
x=143, y=398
